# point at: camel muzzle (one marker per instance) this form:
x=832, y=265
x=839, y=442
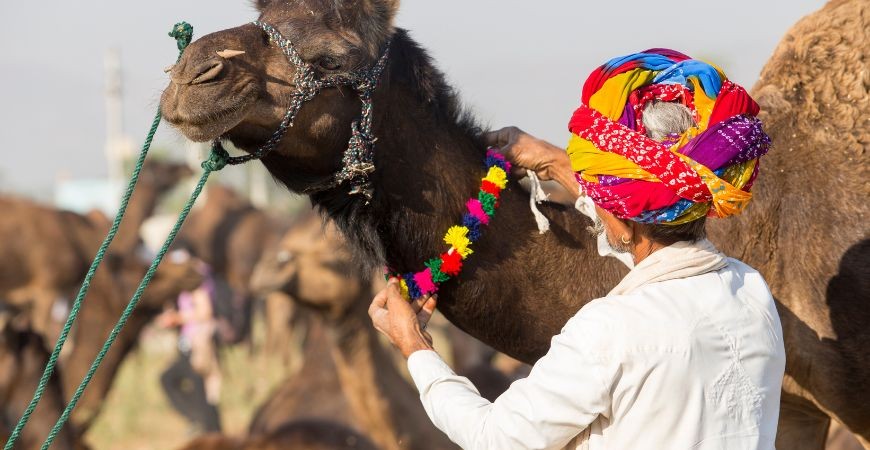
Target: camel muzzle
x=201, y=73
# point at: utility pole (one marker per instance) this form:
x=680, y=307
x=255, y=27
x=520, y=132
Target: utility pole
x=119, y=147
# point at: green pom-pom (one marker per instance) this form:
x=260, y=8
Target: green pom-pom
x=488, y=202
x=434, y=265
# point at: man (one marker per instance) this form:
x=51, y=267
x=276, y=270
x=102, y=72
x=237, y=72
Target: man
x=686, y=351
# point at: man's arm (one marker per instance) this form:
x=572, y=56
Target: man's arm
x=566, y=390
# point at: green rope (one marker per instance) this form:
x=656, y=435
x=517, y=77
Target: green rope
x=183, y=33
x=217, y=161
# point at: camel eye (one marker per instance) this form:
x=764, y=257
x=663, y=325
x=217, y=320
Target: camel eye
x=284, y=257
x=329, y=64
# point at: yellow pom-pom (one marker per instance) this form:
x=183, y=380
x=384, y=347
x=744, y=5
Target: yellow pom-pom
x=404, y=288
x=497, y=176
x=457, y=237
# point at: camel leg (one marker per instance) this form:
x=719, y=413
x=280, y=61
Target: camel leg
x=802, y=426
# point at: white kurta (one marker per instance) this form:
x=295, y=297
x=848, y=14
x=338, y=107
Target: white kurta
x=694, y=362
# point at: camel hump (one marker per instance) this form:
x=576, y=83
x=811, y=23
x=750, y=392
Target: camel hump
x=818, y=74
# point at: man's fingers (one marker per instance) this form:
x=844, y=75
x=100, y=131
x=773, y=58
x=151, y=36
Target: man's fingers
x=494, y=138
x=418, y=304
x=502, y=138
x=393, y=290
x=426, y=312
x=431, y=303
x=396, y=303
x=378, y=303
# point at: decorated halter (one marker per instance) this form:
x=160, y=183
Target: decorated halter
x=357, y=162
x=707, y=170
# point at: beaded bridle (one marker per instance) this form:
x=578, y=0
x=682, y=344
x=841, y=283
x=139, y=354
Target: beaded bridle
x=357, y=162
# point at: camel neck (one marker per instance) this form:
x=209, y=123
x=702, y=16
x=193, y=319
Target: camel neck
x=429, y=159
x=142, y=205
x=381, y=399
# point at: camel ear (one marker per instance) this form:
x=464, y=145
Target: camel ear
x=373, y=7
x=391, y=5
x=261, y=5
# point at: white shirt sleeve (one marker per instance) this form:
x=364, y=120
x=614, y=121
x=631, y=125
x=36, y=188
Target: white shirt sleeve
x=565, y=391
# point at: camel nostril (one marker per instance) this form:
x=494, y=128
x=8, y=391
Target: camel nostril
x=208, y=71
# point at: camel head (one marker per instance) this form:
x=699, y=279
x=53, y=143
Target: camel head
x=313, y=265
x=236, y=85
x=163, y=175
x=174, y=276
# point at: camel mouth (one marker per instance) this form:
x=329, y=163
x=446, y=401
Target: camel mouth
x=203, y=118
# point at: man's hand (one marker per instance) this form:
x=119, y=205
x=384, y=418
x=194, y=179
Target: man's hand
x=527, y=152
x=402, y=322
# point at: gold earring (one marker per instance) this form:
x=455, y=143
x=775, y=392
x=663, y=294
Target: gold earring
x=624, y=240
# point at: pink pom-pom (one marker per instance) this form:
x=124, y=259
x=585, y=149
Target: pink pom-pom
x=494, y=154
x=476, y=210
x=425, y=283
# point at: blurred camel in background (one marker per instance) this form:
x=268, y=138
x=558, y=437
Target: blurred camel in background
x=43, y=266
x=313, y=265
x=230, y=234
x=22, y=358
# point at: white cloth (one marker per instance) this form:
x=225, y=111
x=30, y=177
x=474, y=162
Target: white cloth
x=586, y=207
x=692, y=360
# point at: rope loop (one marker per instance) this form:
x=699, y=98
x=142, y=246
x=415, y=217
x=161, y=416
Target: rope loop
x=218, y=158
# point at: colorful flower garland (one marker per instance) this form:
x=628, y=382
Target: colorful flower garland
x=479, y=211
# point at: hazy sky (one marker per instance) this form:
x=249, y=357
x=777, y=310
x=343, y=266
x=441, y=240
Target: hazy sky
x=515, y=62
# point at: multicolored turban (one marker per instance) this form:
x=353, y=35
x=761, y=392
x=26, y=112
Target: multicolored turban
x=707, y=170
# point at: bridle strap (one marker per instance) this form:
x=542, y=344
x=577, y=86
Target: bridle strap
x=358, y=159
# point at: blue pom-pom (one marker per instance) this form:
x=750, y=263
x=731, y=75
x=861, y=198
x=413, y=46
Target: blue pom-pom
x=413, y=289
x=473, y=225
x=492, y=161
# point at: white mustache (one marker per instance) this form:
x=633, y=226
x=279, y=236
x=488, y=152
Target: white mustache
x=597, y=228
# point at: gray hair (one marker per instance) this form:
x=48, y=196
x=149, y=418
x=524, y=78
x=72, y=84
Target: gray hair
x=662, y=119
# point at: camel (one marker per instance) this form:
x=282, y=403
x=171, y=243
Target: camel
x=520, y=287
x=43, y=267
x=230, y=234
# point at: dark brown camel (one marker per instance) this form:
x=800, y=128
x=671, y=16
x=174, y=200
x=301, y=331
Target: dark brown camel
x=319, y=273
x=520, y=287
x=43, y=267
